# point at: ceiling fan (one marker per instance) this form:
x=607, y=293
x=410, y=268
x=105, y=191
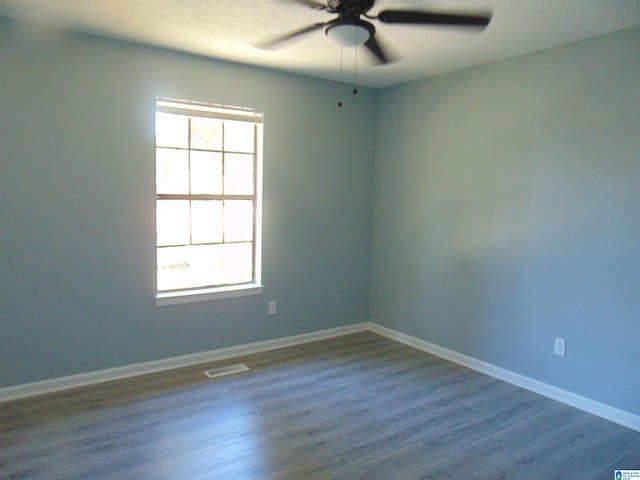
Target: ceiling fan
x=349, y=30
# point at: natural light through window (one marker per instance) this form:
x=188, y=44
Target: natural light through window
x=208, y=179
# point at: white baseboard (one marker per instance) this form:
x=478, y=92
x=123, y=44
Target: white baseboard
x=602, y=410
x=89, y=378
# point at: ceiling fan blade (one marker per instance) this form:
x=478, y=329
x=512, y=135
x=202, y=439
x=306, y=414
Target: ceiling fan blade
x=289, y=36
x=432, y=18
x=374, y=47
x=311, y=4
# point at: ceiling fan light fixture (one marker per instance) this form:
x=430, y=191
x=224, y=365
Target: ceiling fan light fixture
x=349, y=33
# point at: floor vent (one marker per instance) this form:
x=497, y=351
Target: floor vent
x=230, y=370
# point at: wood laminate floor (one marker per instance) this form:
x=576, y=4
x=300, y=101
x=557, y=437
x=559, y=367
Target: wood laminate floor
x=354, y=407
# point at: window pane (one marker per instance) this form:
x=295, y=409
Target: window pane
x=172, y=171
x=238, y=174
x=172, y=130
x=173, y=266
x=172, y=222
x=206, y=173
x=204, y=265
x=238, y=220
x=206, y=133
x=238, y=136
x=206, y=221
x=237, y=264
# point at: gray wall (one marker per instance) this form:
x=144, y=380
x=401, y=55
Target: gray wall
x=507, y=213
x=77, y=188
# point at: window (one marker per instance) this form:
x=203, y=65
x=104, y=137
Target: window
x=208, y=180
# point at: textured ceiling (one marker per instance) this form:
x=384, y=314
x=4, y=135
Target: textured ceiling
x=231, y=29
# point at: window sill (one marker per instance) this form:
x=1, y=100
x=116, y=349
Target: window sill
x=207, y=294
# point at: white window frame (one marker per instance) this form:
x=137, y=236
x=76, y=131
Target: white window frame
x=207, y=293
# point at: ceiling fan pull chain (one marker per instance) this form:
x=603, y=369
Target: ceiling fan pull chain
x=341, y=82
x=355, y=73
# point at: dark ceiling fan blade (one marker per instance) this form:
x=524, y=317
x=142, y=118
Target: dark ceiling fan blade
x=374, y=47
x=289, y=36
x=432, y=18
x=311, y=4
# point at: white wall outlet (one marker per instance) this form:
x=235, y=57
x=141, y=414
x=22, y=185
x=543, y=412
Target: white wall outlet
x=560, y=347
x=273, y=309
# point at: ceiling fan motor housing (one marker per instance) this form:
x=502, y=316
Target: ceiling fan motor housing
x=350, y=9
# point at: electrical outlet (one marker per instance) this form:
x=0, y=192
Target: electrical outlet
x=272, y=307
x=560, y=347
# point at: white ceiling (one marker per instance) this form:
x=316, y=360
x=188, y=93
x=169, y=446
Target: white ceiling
x=231, y=29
